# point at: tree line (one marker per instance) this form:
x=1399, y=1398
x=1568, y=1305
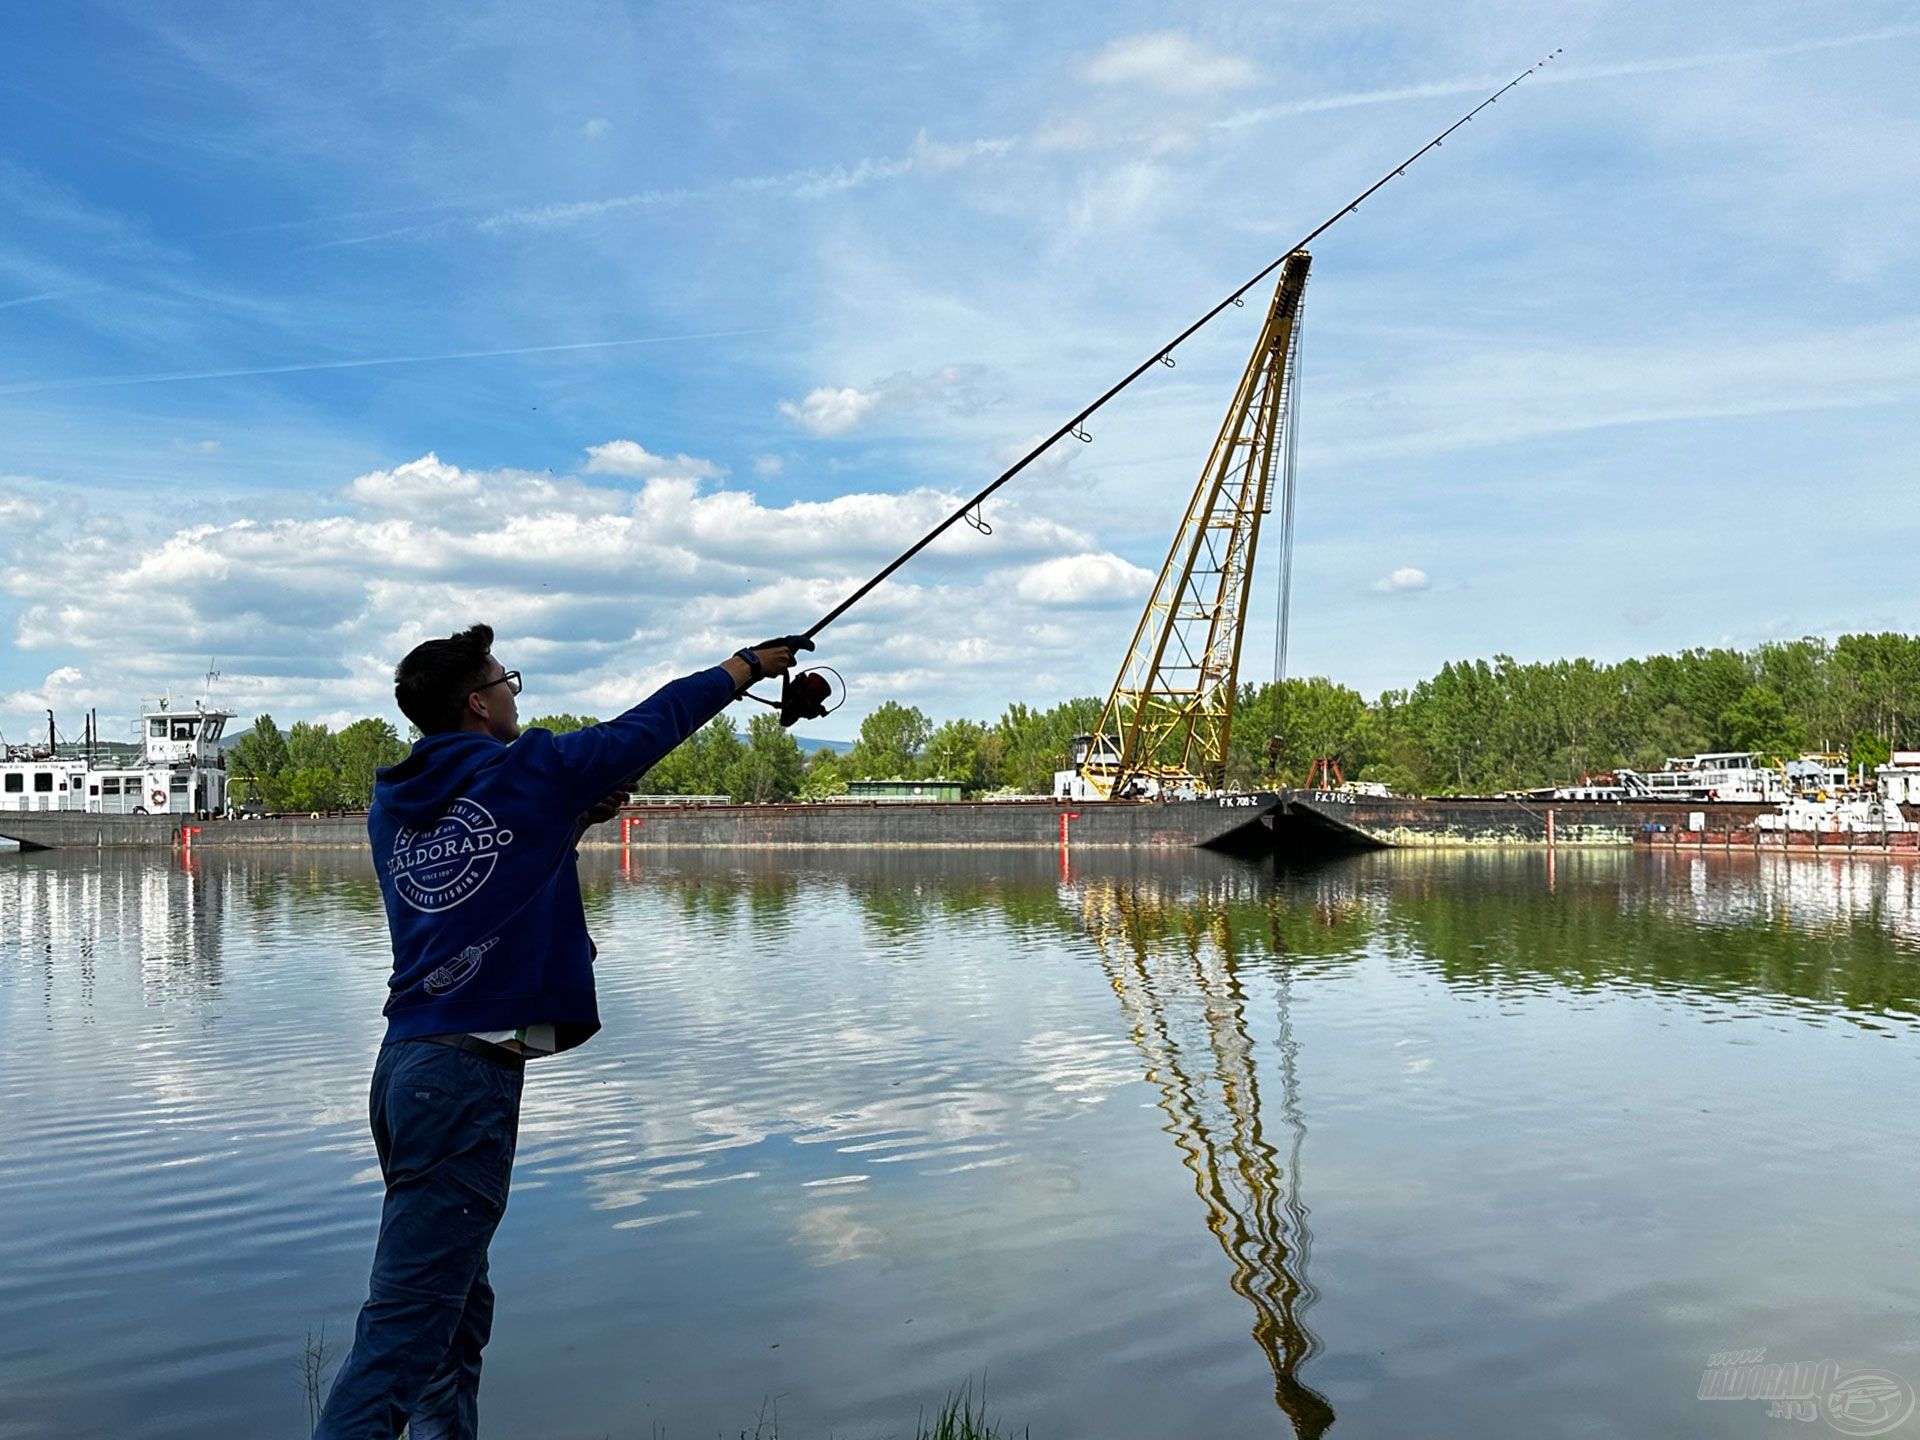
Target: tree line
x=1480, y=727
x=310, y=767
x=1476, y=727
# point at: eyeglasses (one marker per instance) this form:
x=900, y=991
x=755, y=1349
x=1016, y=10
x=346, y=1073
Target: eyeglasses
x=511, y=680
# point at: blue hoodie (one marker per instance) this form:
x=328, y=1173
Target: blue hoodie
x=474, y=843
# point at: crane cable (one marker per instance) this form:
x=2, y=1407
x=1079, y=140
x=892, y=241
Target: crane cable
x=1289, y=469
x=1161, y=356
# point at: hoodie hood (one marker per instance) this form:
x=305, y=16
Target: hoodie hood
x=418, y=790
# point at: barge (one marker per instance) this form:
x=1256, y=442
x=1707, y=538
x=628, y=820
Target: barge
x=1787, y=807
x=1310, y=821
x=1236, y=823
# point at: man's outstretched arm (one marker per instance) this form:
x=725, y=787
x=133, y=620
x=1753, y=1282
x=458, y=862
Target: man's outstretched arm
x=597, y=765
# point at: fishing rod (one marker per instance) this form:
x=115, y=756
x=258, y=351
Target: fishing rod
x=803, y=695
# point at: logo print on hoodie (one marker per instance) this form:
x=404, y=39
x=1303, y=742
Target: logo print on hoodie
x=439, y=868
x=457, y=971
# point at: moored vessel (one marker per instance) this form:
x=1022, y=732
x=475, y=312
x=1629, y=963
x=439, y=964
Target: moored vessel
x=175, y=768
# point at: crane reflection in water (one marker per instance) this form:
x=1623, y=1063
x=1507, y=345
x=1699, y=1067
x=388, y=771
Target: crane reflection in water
x=1174, y=963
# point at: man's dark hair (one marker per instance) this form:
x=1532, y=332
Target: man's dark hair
x=433, y=682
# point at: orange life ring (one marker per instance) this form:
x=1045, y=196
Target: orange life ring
x=158, y=797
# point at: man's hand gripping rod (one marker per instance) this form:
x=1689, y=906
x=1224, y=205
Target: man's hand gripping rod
x=803, y=694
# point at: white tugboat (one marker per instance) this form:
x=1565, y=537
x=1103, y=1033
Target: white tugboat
x=175, y=769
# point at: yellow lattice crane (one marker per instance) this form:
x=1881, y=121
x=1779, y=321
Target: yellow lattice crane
x=1165, y=726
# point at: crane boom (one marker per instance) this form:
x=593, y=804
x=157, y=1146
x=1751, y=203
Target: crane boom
x=1166, y=724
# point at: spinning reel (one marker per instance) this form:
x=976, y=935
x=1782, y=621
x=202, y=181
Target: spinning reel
x=803, y=693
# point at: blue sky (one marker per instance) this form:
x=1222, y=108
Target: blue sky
x=644, y=332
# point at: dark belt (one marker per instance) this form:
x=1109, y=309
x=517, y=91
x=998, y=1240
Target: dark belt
x=473, y=1045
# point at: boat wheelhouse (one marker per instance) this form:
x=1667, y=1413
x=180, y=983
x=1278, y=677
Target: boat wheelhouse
x=176, y=768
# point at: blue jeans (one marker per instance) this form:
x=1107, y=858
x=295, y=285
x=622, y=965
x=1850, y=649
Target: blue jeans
x=444, y=1124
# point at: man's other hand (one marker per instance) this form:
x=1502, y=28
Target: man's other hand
x=607, y=807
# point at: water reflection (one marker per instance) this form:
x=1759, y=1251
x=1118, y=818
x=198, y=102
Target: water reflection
x=929, y=1098
x=1186, y=1008
x=1814, y=936
x=1804, y=937
x=58, y=916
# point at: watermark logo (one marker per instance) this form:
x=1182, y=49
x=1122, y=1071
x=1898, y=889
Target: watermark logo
x=447, y=864
x=457, y=971
x=1868, y=1402
x=1853, y=1402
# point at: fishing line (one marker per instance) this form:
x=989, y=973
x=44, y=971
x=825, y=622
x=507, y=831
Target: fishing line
x=1163, y=355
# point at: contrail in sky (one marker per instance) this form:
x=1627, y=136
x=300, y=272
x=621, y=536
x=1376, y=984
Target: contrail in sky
x=47, y=295
x=165, y=377
x=1570, y=74
x=813, y=183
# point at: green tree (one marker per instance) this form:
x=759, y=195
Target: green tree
x=1758, y=720
x=1712, y=682
x=360, y=750
x=561, y=724
x=954, y=752
x=1869, y=750
x=1455, y=715
x=1670, y=731
x=1026, y=762
x=771, y=766
x=1393, y=754
x=310, y=779
x=310, y=789
x=702, y=764
x=256, y=760
x=825, y=777
x=1879, y=681
x=1309, y=718
x=716, y=753
x=889, y=743
x=310, y=746
x=1026, y=746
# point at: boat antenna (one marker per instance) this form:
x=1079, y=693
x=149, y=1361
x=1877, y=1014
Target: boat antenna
x=1161, y=356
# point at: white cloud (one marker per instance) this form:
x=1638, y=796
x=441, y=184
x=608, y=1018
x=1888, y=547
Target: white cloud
x=953, y=389
x=414, y=485
x=768, y=466
x=198, y=447
x=600, y=592
x=64, y=687
x=597, y=128
x=1082, y=580
x=939, y=156
x=629, y=457
x=826, y=411
x=1405, y=578
x=1168, y=63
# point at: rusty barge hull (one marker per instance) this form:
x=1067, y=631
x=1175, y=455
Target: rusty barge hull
x=1838, y=844
x=1311, y=821
x=1234, y=823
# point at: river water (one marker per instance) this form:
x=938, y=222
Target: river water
x=1160, y=1145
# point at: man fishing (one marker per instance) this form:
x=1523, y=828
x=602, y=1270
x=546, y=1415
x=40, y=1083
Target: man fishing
x=473, y=837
